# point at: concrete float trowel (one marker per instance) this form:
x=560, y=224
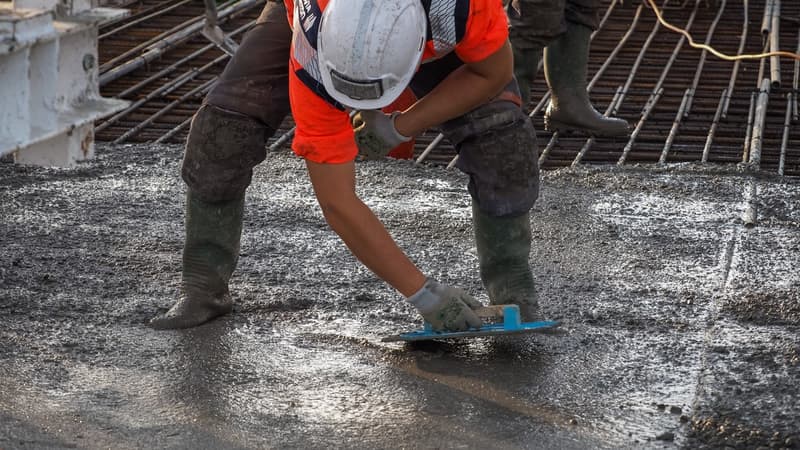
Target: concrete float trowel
x=499, y=320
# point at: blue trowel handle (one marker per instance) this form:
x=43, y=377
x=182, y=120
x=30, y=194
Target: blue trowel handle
x=508, y=313
x=494, y=313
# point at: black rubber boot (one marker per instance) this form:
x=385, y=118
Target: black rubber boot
x=565, y=61
x=210, y=254
x=504, y=245
x=526, y=66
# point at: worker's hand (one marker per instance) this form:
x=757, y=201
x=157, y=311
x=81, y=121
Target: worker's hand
x=445, y=307
x=375, y=133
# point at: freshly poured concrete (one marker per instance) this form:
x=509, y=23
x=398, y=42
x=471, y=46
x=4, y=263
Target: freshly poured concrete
x=680, y=323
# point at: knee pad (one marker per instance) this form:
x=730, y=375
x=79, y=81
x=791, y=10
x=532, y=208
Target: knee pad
x=501, y=159
x=221, y=151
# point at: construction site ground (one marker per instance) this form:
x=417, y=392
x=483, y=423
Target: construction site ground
x=680, y=319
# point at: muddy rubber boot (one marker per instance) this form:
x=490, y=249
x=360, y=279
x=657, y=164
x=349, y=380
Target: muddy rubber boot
x=504, y=245
x=565, y=61
x=213, y=232
x=526, y=65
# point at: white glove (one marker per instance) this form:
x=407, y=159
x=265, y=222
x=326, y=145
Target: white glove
x=445, y=307
x=376, y=134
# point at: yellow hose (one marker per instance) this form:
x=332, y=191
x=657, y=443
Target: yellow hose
x=713, y=51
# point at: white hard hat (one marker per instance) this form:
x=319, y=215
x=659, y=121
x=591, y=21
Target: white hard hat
x=370, y=49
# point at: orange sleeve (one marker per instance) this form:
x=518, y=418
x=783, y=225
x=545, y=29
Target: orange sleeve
x=486, y=30
x=323, y=134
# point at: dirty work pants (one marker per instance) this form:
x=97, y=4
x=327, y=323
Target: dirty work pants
x=254, y=84
x=496, y=145
x=535, y=23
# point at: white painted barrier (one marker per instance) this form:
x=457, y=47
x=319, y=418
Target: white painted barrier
x=49, y=95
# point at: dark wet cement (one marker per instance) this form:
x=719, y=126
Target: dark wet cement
x=680, y=324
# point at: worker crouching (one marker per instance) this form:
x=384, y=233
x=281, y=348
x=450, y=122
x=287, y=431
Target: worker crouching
x=348, y=61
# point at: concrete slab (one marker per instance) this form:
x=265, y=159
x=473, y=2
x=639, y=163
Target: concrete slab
x=680, y=323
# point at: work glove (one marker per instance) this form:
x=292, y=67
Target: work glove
x=445, y=307
x=375, y=133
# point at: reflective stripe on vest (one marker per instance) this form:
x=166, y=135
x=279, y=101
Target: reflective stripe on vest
x=306, y=19
x=442, y=21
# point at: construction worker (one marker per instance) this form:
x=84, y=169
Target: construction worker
x=354, y=59
x=562, y=28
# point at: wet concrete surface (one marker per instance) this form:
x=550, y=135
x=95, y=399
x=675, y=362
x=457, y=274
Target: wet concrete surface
x=680, y=323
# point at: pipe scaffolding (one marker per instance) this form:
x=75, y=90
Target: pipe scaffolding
x=766, y=19
x=712, y=131
x=759, y=120
x=787, y=122
x=750, y=215
x=735, y=70
x=775, y=45
x=749, y=128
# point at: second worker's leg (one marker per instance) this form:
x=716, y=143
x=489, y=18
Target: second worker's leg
x=532, y=25
x=526, y=66
x=565, y=62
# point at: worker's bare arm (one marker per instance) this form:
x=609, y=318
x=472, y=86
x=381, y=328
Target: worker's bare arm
x=467, y=87
x=361, y=231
